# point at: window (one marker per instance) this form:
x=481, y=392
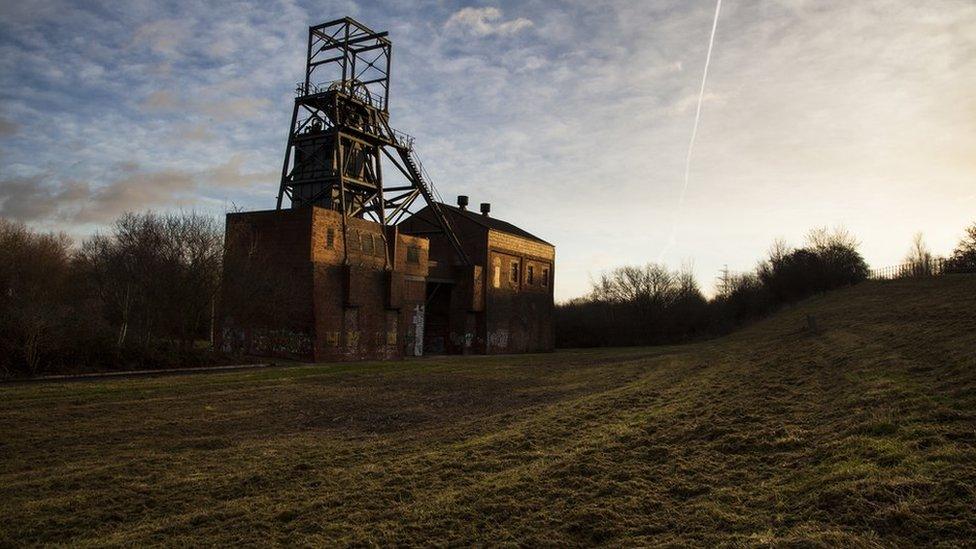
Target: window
x=514, y=275
x=530, y=275
x=496, y=278
x=330, y=238
x=352, y=241
x=545, y=277
x=413, y=254
x=368, y=244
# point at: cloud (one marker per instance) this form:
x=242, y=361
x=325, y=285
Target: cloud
x=232, y=174
x=32, y=199
x=688, y=102
x=193, y=132
x=8, y=127
x=220, y=107
x=236, y=107
x=160, y=100
x=164, y=37
x=135, y=190
x=485, y=22
x=25, y=199
x=39, y=199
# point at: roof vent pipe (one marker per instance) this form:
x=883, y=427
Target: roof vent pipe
x=462, y=202
x=485, y=208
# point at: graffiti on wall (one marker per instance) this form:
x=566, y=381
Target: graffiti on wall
x=462, y=340
x=417, y=323
x=267, y=342
x=498, y=338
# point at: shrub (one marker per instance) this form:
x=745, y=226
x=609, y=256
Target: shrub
x=651, y=305
x=634, y=305
x=829, y=261
x=963, y=259
x=744, y=298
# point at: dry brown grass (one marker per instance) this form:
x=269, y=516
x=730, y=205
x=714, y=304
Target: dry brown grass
x=860, y=434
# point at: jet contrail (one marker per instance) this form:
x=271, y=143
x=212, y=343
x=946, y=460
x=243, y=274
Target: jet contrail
x=694, y=131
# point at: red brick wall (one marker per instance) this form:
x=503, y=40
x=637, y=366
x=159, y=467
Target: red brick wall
x=518, y=314
x=264, y=306
x=509, y=319
x=362, y=309
x=354, y=304
x=359, y=297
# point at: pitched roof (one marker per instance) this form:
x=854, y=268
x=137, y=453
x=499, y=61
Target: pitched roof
x=488, y=222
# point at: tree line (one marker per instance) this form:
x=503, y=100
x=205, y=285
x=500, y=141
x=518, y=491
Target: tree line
x=144, y=293
x=141, y=295
x=654, y=305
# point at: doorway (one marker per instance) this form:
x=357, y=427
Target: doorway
x=437, y=325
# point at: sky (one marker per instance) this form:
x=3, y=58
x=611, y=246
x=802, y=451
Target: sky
x=571, y=117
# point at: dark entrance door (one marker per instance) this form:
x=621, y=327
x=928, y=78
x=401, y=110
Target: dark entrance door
x=437, y=326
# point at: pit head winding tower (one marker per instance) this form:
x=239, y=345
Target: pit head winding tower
x=349, y=266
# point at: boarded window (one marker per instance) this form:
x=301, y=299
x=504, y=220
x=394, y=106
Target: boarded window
x=545, y=277
x=413, y=254
x=496, y=278
x=514, y=273
x=330, y=238
x=530, y=275
x=368, y=247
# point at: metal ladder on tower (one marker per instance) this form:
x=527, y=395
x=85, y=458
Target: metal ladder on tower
x=418, y=174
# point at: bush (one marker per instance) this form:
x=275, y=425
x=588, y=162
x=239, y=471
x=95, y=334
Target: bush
x=651, y=305
x=638, y=305
x=744, y=298
x=963, y=258
x=829, y=261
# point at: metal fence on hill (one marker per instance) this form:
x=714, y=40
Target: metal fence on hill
x=932, y=267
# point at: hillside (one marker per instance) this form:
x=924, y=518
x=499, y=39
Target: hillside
x=863, y=432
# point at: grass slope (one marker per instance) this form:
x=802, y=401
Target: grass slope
x=861, y=434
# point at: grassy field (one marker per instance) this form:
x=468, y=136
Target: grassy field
x=861, y=433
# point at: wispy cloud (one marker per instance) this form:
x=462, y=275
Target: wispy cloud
x=7, y=127
x=131, y=188
x=200, y=132
x=161, y=100
x=31, y=199
x=164, y=37
x=485, y=21
x=236, y=107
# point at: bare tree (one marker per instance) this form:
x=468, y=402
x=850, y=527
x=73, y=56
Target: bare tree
x=650, y=282
x=822, y=238
x=778, y=250
x=34, y=274
x=919, y=258
x=157, y=276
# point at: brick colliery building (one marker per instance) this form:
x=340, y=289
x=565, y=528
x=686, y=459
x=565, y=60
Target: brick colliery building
x=349, y=268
